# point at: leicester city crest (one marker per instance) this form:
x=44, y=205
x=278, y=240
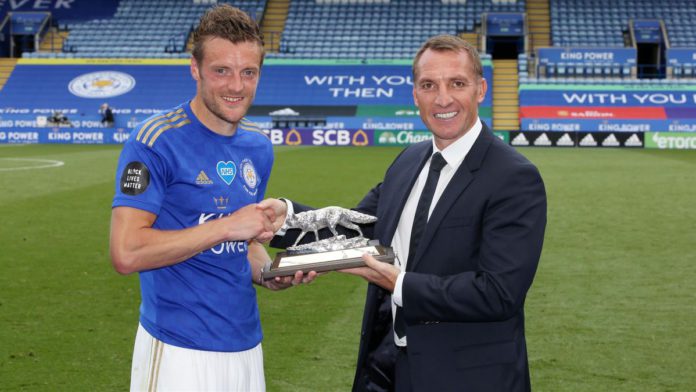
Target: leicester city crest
x=251, y=179
x=101, y=84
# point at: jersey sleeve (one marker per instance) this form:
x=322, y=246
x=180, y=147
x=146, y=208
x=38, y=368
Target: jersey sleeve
x=140, y=179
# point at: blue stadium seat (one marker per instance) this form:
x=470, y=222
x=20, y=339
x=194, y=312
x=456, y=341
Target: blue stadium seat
x=579, y=70
x=616, y=69
x=381, y=25
x=601, y=23
x=143, y=28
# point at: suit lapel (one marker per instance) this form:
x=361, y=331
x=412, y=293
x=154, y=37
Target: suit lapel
x=459, y=182
x=400, y=187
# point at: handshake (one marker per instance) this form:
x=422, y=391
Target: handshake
x=256, y=221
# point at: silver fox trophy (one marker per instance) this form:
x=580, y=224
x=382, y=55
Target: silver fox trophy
x=328, y=217
x=336, y=252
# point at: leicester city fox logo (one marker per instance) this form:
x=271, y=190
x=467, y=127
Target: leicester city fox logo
x=249, y=176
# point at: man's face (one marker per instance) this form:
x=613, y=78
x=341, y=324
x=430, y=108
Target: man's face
x=226, y=81
x=447, y=92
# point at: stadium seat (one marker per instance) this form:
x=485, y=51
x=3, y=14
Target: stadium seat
x=600, y=23
x=148, y=28
x=379, y=24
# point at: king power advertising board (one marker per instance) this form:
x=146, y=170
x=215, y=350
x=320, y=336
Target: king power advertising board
x=362, y=138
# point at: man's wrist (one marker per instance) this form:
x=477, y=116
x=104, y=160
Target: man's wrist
x=289, y=211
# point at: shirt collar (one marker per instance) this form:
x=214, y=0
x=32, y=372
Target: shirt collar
x=455, y=153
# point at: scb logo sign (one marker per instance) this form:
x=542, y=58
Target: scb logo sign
x=331, y=137
x=319, y=137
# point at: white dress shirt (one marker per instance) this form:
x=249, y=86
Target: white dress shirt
x=454, y=155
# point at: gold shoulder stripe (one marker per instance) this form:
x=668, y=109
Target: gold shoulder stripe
x=160, y=123
x=147, y=124
x=256, y=131
x=166, y=127
x=250, y=126
x=248, y=123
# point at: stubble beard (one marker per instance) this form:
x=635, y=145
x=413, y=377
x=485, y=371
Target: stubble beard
x=214, y=108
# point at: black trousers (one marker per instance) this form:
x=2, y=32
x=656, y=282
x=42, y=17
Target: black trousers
x=402, y=376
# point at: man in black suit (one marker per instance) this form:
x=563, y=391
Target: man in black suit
x=465, y=214
x=107, y=114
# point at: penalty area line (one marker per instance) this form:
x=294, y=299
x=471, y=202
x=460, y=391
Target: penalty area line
x=30, y=164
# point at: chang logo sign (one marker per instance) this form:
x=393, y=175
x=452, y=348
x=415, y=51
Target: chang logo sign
x=102, y=84
x=389, y=138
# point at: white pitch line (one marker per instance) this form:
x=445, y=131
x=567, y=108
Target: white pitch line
x=42, y=164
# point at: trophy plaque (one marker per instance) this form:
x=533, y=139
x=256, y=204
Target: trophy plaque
x=333, y=253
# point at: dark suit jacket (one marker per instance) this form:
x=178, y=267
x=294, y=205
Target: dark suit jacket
x=464, y=293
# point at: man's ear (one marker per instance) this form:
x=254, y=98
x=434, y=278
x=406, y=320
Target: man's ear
x=483, y=88
x=195, y=71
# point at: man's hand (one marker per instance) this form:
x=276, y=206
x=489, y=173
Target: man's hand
x=283, y=282
x=276, y=210
x=250, y=222
x=377, y=272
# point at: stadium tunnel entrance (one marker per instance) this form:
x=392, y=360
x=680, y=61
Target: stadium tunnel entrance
x=507, y=48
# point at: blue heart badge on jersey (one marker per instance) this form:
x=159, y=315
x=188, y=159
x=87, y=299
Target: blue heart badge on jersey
x=227, y=171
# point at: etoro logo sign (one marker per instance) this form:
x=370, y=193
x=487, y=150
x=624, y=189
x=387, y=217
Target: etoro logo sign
x=670, y=140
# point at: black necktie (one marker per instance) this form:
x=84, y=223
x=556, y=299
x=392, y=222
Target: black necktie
x=420, y=220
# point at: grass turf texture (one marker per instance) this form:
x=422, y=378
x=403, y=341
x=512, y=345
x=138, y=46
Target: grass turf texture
x=612, y=307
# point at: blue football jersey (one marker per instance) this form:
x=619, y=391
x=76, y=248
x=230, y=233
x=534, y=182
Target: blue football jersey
x=176, y=168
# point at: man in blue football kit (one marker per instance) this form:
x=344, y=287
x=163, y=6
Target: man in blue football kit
x=185, y=217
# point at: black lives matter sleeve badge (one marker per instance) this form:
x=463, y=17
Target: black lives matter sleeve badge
x=135, y=178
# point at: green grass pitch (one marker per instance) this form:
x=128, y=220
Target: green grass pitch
x=613, y=306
